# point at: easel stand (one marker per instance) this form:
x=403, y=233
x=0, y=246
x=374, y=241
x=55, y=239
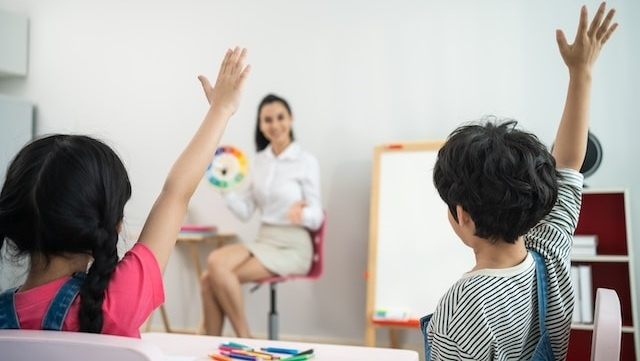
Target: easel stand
x=393, y=327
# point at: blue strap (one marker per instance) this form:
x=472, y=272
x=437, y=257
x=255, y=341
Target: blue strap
x=541, y=278
x=8, y=315
x=61, y=303
x=543, y=350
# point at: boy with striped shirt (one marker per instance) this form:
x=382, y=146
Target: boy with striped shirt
x=517, y=206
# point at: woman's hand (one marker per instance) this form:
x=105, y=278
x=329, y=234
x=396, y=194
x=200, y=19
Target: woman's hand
x=295, y=212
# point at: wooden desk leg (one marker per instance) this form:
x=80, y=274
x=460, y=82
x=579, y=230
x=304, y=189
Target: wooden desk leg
x=165, y=319
x=147, y=323
x=196, y=266
x=196, y=260
x=394, y=338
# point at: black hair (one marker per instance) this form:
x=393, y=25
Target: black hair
x=66, y=194
x=261, y=141
x=505, y=178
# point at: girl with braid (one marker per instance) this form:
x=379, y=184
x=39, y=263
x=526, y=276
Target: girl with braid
x=62, y=204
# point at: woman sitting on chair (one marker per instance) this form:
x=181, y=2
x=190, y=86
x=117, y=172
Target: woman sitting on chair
x=285, y=188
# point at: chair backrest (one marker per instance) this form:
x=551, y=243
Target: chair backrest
x=23, y=345
x=607, y=326
x=317, y=263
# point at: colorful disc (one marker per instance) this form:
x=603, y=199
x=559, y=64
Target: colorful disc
x=228, y=168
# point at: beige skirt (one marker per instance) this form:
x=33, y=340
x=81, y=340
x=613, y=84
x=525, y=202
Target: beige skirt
x=283, y=250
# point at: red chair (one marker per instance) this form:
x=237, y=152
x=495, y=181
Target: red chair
x=317, y=265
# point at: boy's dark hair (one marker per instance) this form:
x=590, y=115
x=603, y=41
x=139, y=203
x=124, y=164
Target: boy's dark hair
x=66, y=194
x=261, y=141
x=503, y=177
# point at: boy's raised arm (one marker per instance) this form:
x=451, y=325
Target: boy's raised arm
x=571, y=140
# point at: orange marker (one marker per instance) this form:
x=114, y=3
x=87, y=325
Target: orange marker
x=220, y=357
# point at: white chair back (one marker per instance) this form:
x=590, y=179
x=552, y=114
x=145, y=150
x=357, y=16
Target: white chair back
x=29, y=345
x=607, y=326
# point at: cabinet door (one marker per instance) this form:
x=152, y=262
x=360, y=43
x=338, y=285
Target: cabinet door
x=14, y=44
x=16, y=129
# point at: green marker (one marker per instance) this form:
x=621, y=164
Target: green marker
x=298, y=358
x=239, y=345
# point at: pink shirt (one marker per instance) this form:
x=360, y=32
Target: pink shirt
x=135, y=290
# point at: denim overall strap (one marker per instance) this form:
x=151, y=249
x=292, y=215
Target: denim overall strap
x=424, y=324
x=61, y=303
x=541, y=281
x=8, y=315
x=543, y=349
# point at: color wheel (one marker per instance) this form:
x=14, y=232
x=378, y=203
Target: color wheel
x=228, y=168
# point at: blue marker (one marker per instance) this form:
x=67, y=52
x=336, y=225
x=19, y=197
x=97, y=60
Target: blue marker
x=280, y=350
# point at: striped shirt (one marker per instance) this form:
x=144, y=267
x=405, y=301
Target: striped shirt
x=492, y=314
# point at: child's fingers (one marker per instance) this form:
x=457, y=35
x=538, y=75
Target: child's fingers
x=244, y=74
x=240, y=62
x=205, y=82
x=562, y=42
x=595, y=23
x=233, y=59
x=225, y=62
x=582, y=23
x=610, y=31
x=605, y=24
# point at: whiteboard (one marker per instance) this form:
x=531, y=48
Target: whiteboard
x=415, y=256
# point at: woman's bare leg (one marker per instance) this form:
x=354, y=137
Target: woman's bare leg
x=226, y=284
x=213, y=316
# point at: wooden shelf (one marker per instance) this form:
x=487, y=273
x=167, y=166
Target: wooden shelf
x=589, y=326
x=600, y=258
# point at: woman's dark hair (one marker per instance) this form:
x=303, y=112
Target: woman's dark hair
x=261, y=141
x=503, y=177
x=66, y=194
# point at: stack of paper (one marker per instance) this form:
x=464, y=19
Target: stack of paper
x=584, y=245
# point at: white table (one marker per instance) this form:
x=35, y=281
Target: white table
x=196, y=347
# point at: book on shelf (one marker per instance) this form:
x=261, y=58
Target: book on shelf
x=584, y=245
x=575, y=281
x=583, y=294
x=586, y=293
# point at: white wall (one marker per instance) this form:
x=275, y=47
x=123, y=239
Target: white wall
x=357, y=73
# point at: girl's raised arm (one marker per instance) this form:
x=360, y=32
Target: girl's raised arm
x=163, y=224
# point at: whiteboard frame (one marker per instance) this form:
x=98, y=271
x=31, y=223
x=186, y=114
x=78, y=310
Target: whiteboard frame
x=374, y=233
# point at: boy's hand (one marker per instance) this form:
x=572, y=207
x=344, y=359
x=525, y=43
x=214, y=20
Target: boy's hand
x=583, y=53
x=226, y=92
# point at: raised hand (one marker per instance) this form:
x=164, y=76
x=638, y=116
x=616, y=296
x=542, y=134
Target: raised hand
x=225, y=94
x=571, y=139
x=586, y=47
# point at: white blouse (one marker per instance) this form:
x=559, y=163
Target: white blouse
x=278, y=182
